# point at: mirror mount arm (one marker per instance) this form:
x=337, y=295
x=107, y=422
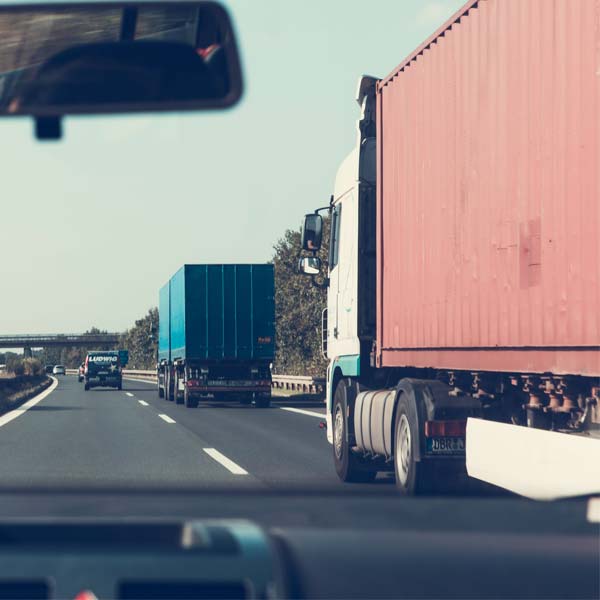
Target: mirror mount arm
x=320, y=284
x=323, y=208
x=48, y=128
x=329, y=207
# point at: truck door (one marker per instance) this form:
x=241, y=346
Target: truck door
x=334, y=270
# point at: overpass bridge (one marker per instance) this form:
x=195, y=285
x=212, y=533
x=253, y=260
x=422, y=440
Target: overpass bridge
x=47, y=340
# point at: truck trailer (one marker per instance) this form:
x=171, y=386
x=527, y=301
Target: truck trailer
x=462, y=328
x=216, y=337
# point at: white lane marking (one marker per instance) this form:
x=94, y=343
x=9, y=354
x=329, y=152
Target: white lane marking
x=301, y=411
x=143, y=402
x=167, y=418
x=148, y=381
x=593, y=510
x=223, y=460
x=129, y=394
x=17, y=412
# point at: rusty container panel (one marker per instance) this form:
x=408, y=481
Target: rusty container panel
x=488, y=193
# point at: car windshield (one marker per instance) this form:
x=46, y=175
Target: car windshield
x=453, y=305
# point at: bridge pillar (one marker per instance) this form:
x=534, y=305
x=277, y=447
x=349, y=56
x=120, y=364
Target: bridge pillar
x=27, y=352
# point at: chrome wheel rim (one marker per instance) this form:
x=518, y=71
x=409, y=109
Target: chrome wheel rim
x=403, y=450
x=338, y=432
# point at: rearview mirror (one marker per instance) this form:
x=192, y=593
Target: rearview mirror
x=62, y=59
x=312, y=232
x=309, y=265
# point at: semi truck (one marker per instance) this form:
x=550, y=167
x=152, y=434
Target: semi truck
x=462, y=328
x=216, y=334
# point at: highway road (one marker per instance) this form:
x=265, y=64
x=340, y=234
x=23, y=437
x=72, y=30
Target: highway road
x=132, y=437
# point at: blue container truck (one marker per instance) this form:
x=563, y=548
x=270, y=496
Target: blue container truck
x=216, y=338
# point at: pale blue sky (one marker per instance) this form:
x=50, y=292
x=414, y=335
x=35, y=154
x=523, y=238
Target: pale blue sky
x=91, y=227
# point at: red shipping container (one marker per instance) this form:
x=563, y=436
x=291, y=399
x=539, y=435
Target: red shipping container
x=488, y=208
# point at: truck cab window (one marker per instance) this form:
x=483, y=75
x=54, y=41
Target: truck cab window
x=334, y=245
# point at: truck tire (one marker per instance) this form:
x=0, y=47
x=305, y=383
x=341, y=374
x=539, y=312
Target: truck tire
x=120, y=386
x=188, y=401
x=168, y=387
x=263, y=402
x=161, y=390
x=246, y=400
x=176, y=395
x=413, y=477
x=86, y=387
x=348, y=466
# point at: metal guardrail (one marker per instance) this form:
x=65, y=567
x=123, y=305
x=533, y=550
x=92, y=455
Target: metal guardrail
x=140, y=374
x=295, y=383
x=298, y=383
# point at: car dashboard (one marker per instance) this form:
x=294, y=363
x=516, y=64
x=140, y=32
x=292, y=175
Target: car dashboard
x=286, y=546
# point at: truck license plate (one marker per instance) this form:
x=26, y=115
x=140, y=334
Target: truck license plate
x=446, y=445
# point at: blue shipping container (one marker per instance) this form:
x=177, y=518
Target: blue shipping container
x=222, y=312
x=164, y=322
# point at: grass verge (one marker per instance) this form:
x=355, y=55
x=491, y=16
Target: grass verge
x=14, y=391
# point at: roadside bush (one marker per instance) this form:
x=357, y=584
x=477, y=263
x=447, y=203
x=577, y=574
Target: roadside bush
x=33, y=367
x=25, y=366
x=298, y=307
x=16, y=366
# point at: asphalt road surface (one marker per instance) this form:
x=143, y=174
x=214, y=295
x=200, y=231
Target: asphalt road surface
x=110, y=437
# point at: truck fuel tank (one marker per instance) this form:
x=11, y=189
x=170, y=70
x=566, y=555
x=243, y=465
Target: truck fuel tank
x=373, y=412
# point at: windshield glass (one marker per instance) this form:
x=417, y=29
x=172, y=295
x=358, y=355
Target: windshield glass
x=451, y=301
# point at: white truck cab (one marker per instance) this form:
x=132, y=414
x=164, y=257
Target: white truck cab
x=350, y=321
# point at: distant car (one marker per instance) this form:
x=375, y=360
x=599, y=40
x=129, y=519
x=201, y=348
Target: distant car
x=50, y=369
x=81, y=373
x=59, y=370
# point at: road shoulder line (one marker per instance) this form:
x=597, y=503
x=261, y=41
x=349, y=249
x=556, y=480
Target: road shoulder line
x=303, y=411
x=17, y=412
x=148, y=381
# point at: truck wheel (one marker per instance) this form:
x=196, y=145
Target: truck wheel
x=246, y=400
x=263, y=402
x=161, y=391
x=349, y=467
x=86, y=387
x=168, y=391
x=120, y=386
x=412, y=476
x=188, y=401
x=176, y=395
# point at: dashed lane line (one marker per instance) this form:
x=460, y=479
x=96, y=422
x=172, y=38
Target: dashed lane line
x=143, y=402
x=129, y=394
x=226, y=462
x=593, y=510
x=167, y=418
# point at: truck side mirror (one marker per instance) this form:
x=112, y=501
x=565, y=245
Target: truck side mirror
x=309, y=265
x=312, y=232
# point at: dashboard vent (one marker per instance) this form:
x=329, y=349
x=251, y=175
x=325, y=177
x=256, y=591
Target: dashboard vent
x=181, y=590
x=24, y=589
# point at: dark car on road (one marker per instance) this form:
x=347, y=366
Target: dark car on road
x=102, y=369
